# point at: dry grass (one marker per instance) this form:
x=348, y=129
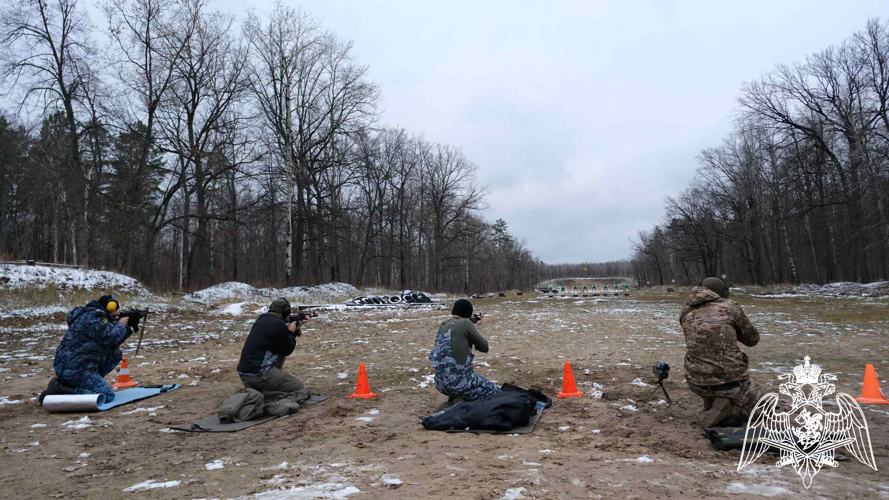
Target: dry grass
x=857, y=314
x=36, y=297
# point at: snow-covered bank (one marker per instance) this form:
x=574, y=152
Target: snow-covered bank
x=844, y=289
x=300, y=294
x=65, y=278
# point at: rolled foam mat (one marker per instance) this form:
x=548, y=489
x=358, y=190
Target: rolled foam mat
x=61, y=403
x=64, y=403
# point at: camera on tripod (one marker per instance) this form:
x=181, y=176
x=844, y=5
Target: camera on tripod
x=661, y=370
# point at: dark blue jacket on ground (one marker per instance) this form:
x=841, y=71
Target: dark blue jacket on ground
x=90, y=350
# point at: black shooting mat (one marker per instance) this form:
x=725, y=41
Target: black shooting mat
x=212, y=423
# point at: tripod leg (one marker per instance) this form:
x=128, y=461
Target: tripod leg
x=650, y=394
x=669, y=401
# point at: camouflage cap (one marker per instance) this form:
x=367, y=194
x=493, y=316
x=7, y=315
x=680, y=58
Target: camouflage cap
x=279, y=306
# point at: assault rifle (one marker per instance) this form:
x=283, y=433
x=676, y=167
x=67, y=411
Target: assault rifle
x=135, y=315
x=475, y=318
x=302, y=316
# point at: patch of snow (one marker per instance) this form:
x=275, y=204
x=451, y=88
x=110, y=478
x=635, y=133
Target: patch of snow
x=758, y=490
x=427, y=379
x=83, y=423
x=645, y=459
x=214, y=465
x=152, y=484
x=35, y=426
x=596, y=431
x=638, y=381
x=85, y=455
x=342, y=375
x=333, y=491
x=282, y=465
x=629, y=407
x=137, y=410
x=391, y=480
x=4, y=400
x=235, y=309
x=564, y=428
x=514, y=494
x=365, y=419
x=547, y=451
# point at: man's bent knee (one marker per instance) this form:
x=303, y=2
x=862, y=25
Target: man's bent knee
x=283, y=381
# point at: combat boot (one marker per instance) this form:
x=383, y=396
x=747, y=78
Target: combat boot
x=54, y=387
x=719, y=411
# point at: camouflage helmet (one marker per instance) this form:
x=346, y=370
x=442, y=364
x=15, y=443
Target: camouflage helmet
x=717, y=285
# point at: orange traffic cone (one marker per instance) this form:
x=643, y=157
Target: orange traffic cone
x=362, y=388
x=123, y=380
x=870, y=392
x=569, y=388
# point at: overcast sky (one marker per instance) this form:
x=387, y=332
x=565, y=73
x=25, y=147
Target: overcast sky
x=582, y=116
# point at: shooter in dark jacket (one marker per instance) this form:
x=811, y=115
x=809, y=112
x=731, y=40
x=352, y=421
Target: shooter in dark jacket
x=269, y=342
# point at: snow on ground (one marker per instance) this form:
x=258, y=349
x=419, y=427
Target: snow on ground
x=239, y=308
x=15, y=276
x=297, y=294
x=840, y=289
x=758, y=490
x=152, y=484
x=324, y=490
x=514, y=494
x=214, y=465
x=222, y=291
x=32, y=312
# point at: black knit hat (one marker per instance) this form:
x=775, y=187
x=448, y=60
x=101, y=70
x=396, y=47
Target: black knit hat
x=462, y=308
x=104, y=300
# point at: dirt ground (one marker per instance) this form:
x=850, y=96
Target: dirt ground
x=616, y=445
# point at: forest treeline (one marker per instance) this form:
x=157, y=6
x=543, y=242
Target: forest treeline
x=799, y=191
x=192, y=149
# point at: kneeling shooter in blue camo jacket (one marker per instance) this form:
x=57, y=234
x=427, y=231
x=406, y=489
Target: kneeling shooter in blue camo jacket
x=452, y=356
x=90, y=349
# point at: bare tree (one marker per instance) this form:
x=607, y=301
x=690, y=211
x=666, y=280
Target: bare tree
x=46, y=57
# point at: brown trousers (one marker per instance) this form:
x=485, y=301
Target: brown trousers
x=289, y=390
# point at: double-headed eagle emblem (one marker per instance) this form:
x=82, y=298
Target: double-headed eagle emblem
x=806, y=435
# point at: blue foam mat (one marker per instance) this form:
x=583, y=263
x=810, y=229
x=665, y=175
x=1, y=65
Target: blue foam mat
x=135, y=394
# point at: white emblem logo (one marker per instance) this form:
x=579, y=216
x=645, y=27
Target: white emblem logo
x=806, y=435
